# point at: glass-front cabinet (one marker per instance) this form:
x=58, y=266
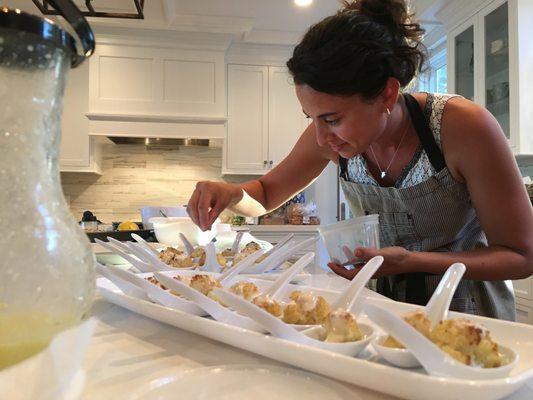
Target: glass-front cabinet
x=485, y=53
x=463, y=69
x=495, y=30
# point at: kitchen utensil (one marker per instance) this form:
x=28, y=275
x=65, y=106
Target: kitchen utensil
x=189, y=248
x=280, y=329
x=150, y=291
x=216, y=310
x=282, y=254
x=436, y=310
x=433, y=359
x=144, y=244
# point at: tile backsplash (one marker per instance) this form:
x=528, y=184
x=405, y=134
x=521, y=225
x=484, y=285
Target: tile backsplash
x=135, y=176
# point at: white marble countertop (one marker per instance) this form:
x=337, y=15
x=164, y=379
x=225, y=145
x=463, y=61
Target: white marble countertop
x=277, y=228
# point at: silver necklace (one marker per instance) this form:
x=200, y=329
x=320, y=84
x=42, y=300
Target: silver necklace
x=383, y=173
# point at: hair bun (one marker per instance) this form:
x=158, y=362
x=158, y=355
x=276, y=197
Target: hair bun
x=392, y=13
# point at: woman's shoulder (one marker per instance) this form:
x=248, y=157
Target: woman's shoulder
x=464, y=126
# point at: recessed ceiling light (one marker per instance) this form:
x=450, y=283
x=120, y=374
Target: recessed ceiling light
x=303, y=3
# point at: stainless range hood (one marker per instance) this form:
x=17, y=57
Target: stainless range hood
x=152, y=142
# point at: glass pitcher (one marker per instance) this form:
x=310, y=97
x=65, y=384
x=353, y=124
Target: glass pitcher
x=46, y=264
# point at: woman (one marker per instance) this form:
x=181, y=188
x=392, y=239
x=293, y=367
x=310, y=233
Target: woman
x=437, y=168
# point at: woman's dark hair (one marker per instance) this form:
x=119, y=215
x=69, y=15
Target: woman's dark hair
x=356, y=50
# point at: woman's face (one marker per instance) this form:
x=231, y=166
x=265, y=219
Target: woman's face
x=347, y=124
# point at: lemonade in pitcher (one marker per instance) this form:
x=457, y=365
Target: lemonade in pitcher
x=47, y=274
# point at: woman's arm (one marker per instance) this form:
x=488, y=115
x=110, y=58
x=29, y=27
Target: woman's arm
x=256, y=197
x=476, y=153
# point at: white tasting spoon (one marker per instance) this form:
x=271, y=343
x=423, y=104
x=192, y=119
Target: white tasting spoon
x=152, y=291
x=436, y=310
x=347, y=299
x=144, y=244
x=280, y=329
x=432, y=358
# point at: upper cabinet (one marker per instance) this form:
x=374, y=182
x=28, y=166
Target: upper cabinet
x=157, y=81
x=488, y=57
x=148, y=88
x=265, y=118
x=79, y=152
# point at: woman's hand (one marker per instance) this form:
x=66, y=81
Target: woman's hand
x=209, y=199
x=395, y=262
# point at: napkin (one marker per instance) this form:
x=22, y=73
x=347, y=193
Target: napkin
x=52, y=374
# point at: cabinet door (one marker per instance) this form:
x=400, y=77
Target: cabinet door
x=523, y=288
x=247, y=141
x=524, y=313
x=462, y=60
x=495, y=63
x=75, y=141
x=286, y=119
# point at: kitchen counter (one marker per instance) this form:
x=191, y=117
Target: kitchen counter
x=277, y=228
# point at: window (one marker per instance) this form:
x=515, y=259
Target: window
x=434, y=77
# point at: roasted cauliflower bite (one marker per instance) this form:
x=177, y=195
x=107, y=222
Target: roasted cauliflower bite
x=248, y=290
x=204, y=283
x=418, y=320
x=306, y=308
x=228, y=253
x=251, y=247
x=467, y=343
x=168, y=254
x=220, y=258
x=269, y=305
x=341, y=327
x=197, y=252
x=175, y=258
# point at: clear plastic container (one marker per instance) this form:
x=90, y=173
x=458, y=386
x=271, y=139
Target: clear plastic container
x=352, y=233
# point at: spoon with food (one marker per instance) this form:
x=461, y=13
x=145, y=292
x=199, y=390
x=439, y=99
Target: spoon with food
x=424, y=321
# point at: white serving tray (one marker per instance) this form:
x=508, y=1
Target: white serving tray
x=367, y=370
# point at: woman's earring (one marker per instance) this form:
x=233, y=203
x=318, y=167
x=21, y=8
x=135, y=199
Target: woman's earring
x=388, y=111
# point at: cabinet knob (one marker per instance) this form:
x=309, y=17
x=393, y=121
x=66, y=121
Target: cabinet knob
x=271, y=162
x=265, y=162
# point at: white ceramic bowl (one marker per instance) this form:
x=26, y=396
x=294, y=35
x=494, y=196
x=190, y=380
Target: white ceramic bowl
x=167, y=230
x=149, y=212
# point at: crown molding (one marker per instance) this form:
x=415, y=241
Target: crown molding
x=454, y=12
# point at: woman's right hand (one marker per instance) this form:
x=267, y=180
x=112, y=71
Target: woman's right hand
x=209, y=199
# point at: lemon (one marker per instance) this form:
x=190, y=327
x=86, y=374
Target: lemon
x=128, y=226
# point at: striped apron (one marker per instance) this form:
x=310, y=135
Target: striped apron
x=434, y=215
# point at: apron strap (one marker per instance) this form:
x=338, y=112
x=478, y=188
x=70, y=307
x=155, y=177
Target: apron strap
x=343, y=166
x=424, y=133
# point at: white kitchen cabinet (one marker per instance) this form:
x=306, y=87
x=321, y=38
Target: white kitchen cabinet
x=523, y=290
x=146, y=86
x=490, y=54
x=78, y=151
x=524, y=312
x=265, y=118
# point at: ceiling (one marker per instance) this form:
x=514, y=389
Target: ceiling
x=259, y=21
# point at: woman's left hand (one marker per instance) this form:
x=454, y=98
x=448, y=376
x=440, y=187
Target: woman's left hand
x=395, y=262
